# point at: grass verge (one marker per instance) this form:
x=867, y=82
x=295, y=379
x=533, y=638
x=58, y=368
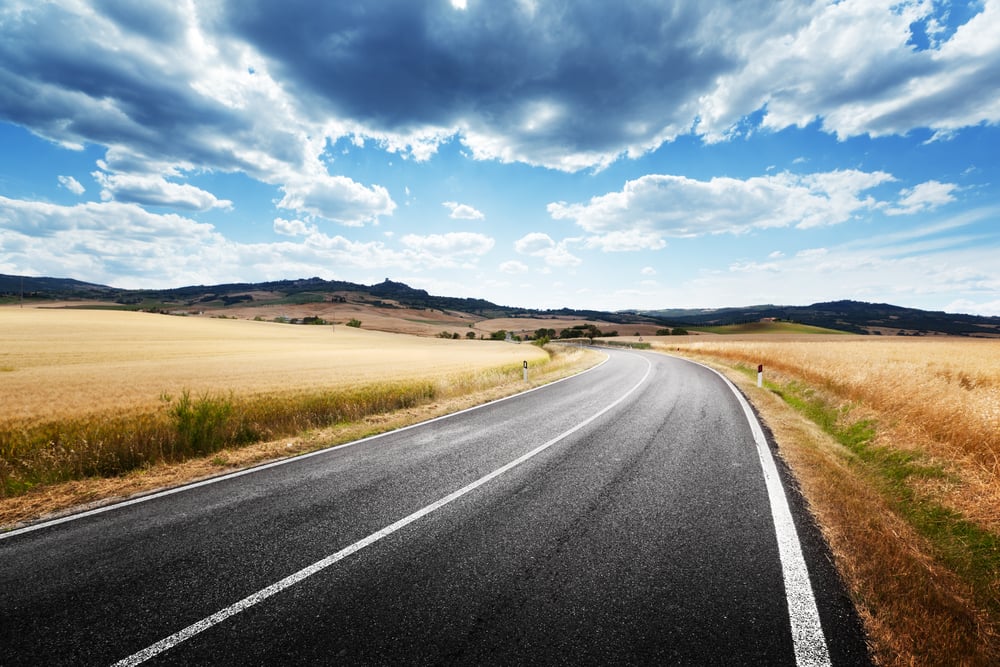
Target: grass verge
x=58, y=467
x=924, y=577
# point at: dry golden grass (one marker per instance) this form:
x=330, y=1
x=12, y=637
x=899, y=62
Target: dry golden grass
x=287, y=381
x=58, y=363
x=907, y=493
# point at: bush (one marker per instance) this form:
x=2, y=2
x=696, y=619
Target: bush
x=201, y=424
x=354, y=322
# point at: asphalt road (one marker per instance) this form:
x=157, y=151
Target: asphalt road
x=618, y=517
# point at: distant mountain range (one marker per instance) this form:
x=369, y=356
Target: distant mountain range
x=851, y=316
x=854, y=316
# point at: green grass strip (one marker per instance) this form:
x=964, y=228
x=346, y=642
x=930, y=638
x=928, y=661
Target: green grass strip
x=967, y=549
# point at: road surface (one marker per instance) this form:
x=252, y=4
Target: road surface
x=622, y=516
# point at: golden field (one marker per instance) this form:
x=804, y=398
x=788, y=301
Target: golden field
x=57, y=363
x=896, y=445
x=96, y=395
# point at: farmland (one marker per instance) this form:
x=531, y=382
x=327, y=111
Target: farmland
x=896, y=444
x=92, y=394
x=72, y=362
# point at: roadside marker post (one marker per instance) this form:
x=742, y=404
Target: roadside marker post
x=525, y=370
x=760, y=375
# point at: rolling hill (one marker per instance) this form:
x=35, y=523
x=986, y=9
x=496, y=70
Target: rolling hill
x=396, y=306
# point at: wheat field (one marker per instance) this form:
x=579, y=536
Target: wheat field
x=61, y=363
x=91, y=394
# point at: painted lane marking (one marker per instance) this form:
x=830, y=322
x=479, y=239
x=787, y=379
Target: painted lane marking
x=291, y=580
x=273, y=464
x=807, y=631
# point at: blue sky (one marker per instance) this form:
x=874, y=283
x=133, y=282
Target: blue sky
x=540, y=154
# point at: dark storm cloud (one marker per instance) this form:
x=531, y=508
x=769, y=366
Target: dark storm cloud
x=259, y=86
x=615, y=74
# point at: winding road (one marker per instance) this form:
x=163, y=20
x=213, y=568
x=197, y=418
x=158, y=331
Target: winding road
x=632, y=514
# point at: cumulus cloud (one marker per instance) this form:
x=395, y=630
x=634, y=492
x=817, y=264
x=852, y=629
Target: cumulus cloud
x=154, y=190
x=72, y=185
x=337, y=198
x=828, y=68
x=658, y=205
x=104, y=241
x=538, y=244
x=100, y=241
x=291, y=227
x=463, y=211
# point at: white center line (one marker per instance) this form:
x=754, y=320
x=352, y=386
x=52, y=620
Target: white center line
x=291, y=580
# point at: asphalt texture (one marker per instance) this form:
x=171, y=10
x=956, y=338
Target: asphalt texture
x=641, y=536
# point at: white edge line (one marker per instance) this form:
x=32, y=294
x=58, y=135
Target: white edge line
x=807, y=631
x=291, y=580
x=264, y=466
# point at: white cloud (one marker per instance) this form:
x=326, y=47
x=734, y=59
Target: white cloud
x=648, y=271
x=828, y=67
x=924, y=197
x=154, y=190
x=513, y=267
x=538, y=244
x=462, y=211
x=104, y=241
x=124, y=245
x=452, y=243
x=812, y=253
x=627, y=240
x=662, y=205
x=71, y=184
x=337, y=198
x=753, y=267
x=449, y=250
x=534, y=243
x=987, y=309
x=292, y=227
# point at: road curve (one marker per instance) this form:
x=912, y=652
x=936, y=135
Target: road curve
x=620, y=516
